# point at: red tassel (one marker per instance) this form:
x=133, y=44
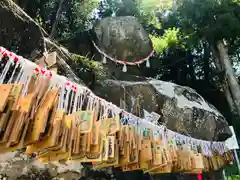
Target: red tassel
x=199, y=176
x=36, y=70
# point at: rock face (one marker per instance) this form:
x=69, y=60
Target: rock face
x=15, y=165
x=122, y=38
x=181, y=108
x=18, y=32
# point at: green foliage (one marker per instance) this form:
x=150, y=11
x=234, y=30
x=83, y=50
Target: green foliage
x=170, y=38
x=210, y=19
x=153, y=6
x=82, y=61
x=237, y=177
x=159, y=44
x=82, y=12
x=40, y=20
x=236, y=1
x=144, y=10
x=76, y=15
x=118, y=8
x=87, y=69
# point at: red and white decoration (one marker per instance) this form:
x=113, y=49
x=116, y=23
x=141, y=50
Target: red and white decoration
x=124, y=63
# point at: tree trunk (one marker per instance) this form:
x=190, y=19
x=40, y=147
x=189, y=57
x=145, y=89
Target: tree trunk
x=54, y=27
x=234, y=88
x=225, y=86
x=206, y=57
x=191, y=67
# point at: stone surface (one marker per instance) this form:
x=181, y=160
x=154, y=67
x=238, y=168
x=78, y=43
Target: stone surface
x=18, y=32
x=181, y=108
x=123, y=38
x=16, y=165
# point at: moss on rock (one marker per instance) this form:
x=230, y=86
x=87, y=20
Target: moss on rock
x=88, y=63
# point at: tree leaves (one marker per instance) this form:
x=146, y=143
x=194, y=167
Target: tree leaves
x=76, y=15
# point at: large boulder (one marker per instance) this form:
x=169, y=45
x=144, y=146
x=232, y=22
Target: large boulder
x=181, y=108
x=122, y=38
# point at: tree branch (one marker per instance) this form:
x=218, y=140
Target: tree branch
x=54, y=28
x=64, y=54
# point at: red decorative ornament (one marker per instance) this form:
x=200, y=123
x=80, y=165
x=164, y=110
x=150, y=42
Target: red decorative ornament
x=50, y=74
x=74, y=87
x=43, y=71
x=36, y=70
x=16, y=59
x=6, y=53
x=199, y=176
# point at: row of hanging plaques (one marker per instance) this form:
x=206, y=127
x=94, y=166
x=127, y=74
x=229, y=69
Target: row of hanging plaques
x=36, y=121
x=55, y=122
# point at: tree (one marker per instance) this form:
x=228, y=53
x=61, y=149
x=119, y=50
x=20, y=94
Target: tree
x=62, y=19
x=54, y=26
x=214, y=22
